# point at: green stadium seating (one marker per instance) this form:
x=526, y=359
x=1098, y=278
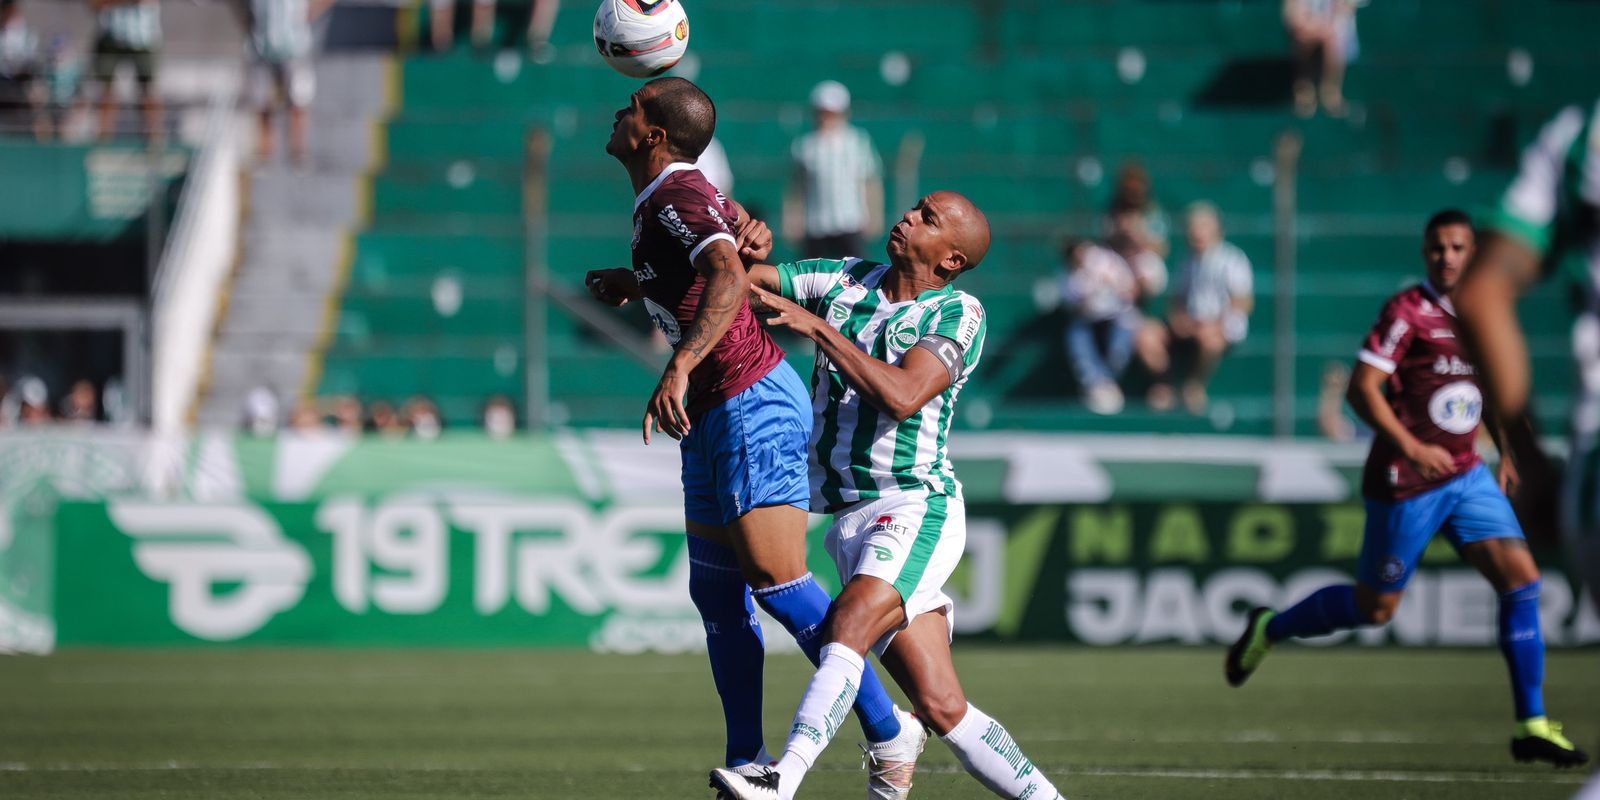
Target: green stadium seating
x=1028, y=106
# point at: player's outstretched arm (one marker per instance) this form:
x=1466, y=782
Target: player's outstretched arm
x=753, y=239
x=899, y=391
x=1501, y=271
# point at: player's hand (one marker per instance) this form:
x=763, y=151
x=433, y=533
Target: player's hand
x=785, y=313
x=1432, y=461
x=1507, y=475
x=665, y=411
x=753, y=239
x=614, y=287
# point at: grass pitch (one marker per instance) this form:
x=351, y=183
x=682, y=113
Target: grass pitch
x=533, y=724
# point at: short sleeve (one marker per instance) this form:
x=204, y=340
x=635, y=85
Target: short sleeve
x=1240, y=282
x=1389, y=338
x=695, y=215
x=1532, y=205
x=961, y=320
x=808, y=282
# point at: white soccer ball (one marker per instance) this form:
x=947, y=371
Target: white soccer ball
x=641, y=38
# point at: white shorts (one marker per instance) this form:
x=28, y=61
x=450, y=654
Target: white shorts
x=911, y=540
x=294, y=81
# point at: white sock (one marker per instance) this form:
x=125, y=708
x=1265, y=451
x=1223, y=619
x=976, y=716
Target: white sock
x=989, y=754
x=823, y=707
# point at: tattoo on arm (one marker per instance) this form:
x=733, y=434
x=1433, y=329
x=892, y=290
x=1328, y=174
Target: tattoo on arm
x=719, y=303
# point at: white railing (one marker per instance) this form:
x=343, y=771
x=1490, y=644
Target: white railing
x=194, y=265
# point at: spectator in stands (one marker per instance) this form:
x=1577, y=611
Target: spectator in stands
x=347, y=415
x=128, y=32
x=422, y=418
x=1324, y=36
x=281, y=40
x=541, y=21
x=305, y=420
x=1208, y=312
x=1331, y=420
x=21, y=90
x=29, y=403
x=835, y=197
x=383, y=420
x=1098, y=289
x=261, y=412
x=1134, y=212
x=499, y=417
x=80, y=403
x=63, y=76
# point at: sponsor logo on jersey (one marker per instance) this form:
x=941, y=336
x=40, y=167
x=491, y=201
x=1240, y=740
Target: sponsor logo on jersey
x=1453, y=365
x=644, y=272
x=838, y=312
x=1392, y=339
x=967, y=333
x=664, y=320
x=717, y=215
x=848, y=281
x=882, y=553
x=674, y=224
x=1441, y=333
x=886, y=524
x=1456, y=407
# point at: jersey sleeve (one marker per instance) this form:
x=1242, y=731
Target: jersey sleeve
x=807, y=282
x=1532, y=207
x=961, y=320
x=695, y=217
x=1389, y=338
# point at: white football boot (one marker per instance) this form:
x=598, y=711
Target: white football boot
x=890, y=764
x=753, y=769
x=738, y=786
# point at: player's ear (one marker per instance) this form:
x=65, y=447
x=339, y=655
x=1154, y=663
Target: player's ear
x=955, y=263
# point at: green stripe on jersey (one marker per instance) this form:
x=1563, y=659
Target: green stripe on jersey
x=928, y=535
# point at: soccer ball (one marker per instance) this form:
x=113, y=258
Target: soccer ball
x=641, y=38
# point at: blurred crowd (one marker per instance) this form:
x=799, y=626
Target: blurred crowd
x=417, y=417
x=27, y=403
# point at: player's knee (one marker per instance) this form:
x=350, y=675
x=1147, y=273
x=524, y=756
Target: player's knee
x=940, y=710
x=1380, y=611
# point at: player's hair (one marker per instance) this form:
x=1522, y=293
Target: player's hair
x=1449, y=216
x=684, y=111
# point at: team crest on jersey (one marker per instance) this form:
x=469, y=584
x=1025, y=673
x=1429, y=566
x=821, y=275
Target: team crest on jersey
x=903, y=335
x=1456, y=407
x=669, y=217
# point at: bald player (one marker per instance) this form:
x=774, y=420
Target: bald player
x=895, y=344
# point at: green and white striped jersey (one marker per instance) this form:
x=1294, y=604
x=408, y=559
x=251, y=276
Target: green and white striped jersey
x=1553, y=205
x=136, y=26
x=857, y=451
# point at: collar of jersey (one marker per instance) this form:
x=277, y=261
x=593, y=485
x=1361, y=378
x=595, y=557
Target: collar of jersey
x=1444, y=302
x=927, y=294
x=676, y=166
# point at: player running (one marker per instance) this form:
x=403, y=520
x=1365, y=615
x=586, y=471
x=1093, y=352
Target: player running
x=738, y=410
x=1422, y=475
x=1548, y=220
x=895, y=344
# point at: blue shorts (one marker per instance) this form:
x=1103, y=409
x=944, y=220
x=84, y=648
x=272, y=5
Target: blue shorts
x=1470, y=508
x=750, y=452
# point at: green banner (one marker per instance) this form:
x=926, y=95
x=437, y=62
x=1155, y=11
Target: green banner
x=494, y=569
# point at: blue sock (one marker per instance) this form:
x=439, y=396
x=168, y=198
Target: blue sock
x=1523, y=646
x=733, y=640
x=1329, y=609
x=801, y=605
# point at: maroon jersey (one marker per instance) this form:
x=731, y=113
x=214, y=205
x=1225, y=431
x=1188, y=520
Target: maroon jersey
x=1433, y=390
x=676, y=217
